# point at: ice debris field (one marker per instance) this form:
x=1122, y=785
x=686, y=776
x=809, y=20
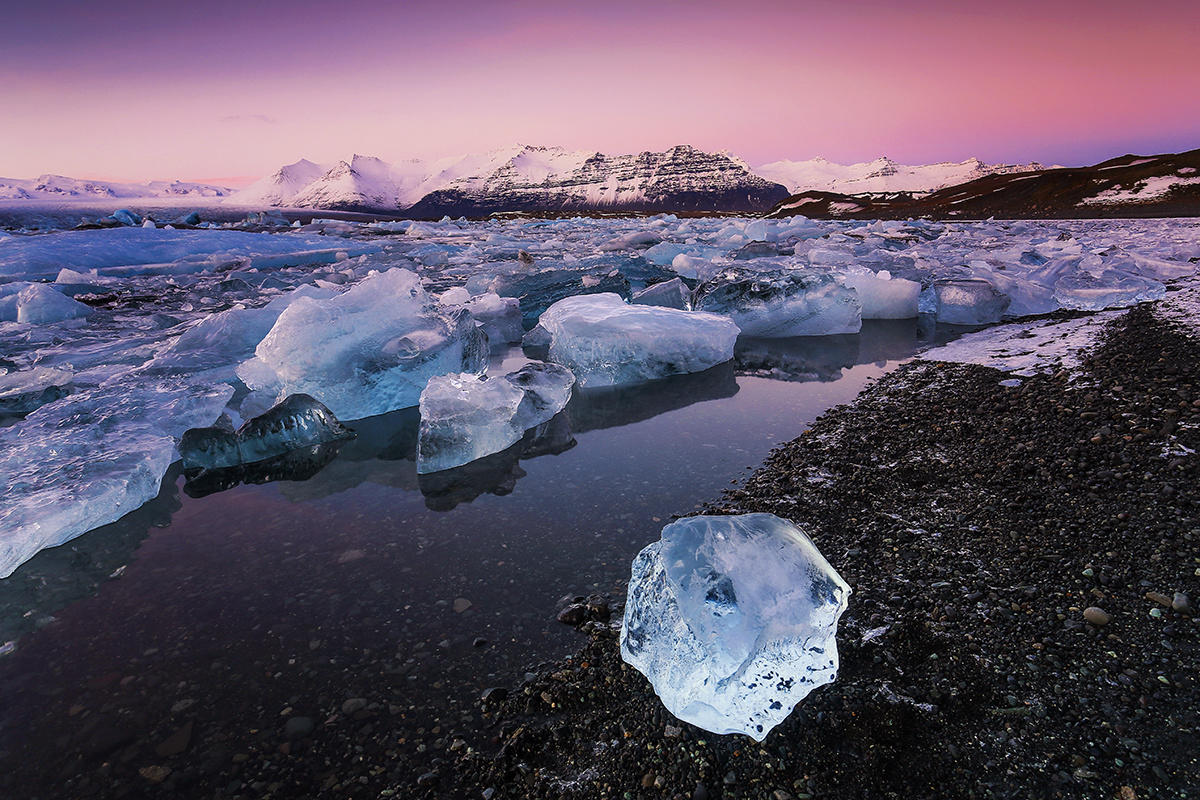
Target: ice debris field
x=115, y=342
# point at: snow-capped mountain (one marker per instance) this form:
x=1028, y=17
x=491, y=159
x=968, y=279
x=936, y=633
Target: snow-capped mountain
x=522, y=178
x=882, y=175
x=58, y=187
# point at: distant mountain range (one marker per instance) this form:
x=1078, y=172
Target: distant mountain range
x=522, y=178
x=882, y=176
x=552, y=180
x=57, y=187
x=1165, y=185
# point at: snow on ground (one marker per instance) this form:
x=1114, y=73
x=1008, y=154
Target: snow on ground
x=96, y=400
x=881, y=175
x=1147, y=189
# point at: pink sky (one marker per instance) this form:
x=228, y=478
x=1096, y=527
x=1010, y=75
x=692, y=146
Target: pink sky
x=206, y=90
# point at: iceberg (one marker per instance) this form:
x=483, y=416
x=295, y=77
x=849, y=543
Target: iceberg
x=500, y=317
x=883, y=296
x=467, y=417
x=40, y=303
x=23, y=391
x=733, y=619
x=368, y=351
x=90, y=458
x=299, y=421
x=1083, y=291
x=669, y=294
x=969, y=301
x=781, y=304
x=606, y=342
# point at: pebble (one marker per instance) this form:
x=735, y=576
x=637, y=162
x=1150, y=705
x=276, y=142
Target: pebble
x=1181, y=603
x=155, y=773
x=299, y=727
x=461, y=604
x=1097, y=616
x=354, y=705
x=176, y=743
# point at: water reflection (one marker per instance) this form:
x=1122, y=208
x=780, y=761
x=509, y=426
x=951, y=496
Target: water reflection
x=823, y=358
x=58, y=576
x=300, y=464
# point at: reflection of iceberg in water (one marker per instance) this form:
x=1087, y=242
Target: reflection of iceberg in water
x=610, y=407
x=822, y=358
x=497, y=473
x=58, y=576
x=300, y=464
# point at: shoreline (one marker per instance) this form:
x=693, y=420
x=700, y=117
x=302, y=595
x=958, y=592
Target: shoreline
x=975, y=522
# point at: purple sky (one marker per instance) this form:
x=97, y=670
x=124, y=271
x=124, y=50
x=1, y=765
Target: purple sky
x=214, y=89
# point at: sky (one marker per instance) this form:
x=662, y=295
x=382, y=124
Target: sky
x=228, y=91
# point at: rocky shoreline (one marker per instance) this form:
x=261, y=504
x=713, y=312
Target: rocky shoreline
x=1022, y=559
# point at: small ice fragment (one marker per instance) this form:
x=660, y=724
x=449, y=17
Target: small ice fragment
x=39, y=303
x=467, y=417
x=669, y=294
x=733, y=620
x=1011, y=382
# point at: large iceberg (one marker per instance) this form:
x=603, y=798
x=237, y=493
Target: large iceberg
x=733, y=620
x=368, y=351
x=466, y=417
x=298, y=421
x=607, y=342
x=782, y=303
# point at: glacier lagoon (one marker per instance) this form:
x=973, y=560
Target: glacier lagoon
x=345, y=560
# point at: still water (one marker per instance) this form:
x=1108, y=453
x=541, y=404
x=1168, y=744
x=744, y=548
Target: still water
x=235, y=609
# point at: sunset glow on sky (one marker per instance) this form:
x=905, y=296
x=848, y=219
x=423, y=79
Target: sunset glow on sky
x=220, y=90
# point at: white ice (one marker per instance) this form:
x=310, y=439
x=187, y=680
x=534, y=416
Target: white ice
x=606, y=342
x=365, y=352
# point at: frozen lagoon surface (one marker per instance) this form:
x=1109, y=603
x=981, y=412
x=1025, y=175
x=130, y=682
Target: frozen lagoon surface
x=344, y=558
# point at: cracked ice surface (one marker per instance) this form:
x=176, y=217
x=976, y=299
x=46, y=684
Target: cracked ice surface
x=733, y=619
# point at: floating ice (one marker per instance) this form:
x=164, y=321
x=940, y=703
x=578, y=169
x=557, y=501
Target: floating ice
x=882, y=296
x=466, y=417
x=40, y=303
x=500, y=318
x=299, y=421
x=969, y=301
x=733, y=620
x=90, y=458
x=780, y=304
x=368, y=351
x=669, y=294
x=606, y=342
x=24, y=390
x=1112, y=288
x=540, y=290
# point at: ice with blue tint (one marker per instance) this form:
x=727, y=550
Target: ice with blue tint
x=117, y=251
x=733, y=619
x=605, y=341
x=465, y=417
x=298, y=421
x=367, y=351
x=669, y=294
x=781, y=303
x=92, y=457
x=138, y=320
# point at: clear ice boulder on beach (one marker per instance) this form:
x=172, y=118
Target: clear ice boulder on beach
x=465, y=417
x=605, y=341
x=733, y=619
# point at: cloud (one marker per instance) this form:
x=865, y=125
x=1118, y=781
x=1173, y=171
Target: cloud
x=262, y=119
